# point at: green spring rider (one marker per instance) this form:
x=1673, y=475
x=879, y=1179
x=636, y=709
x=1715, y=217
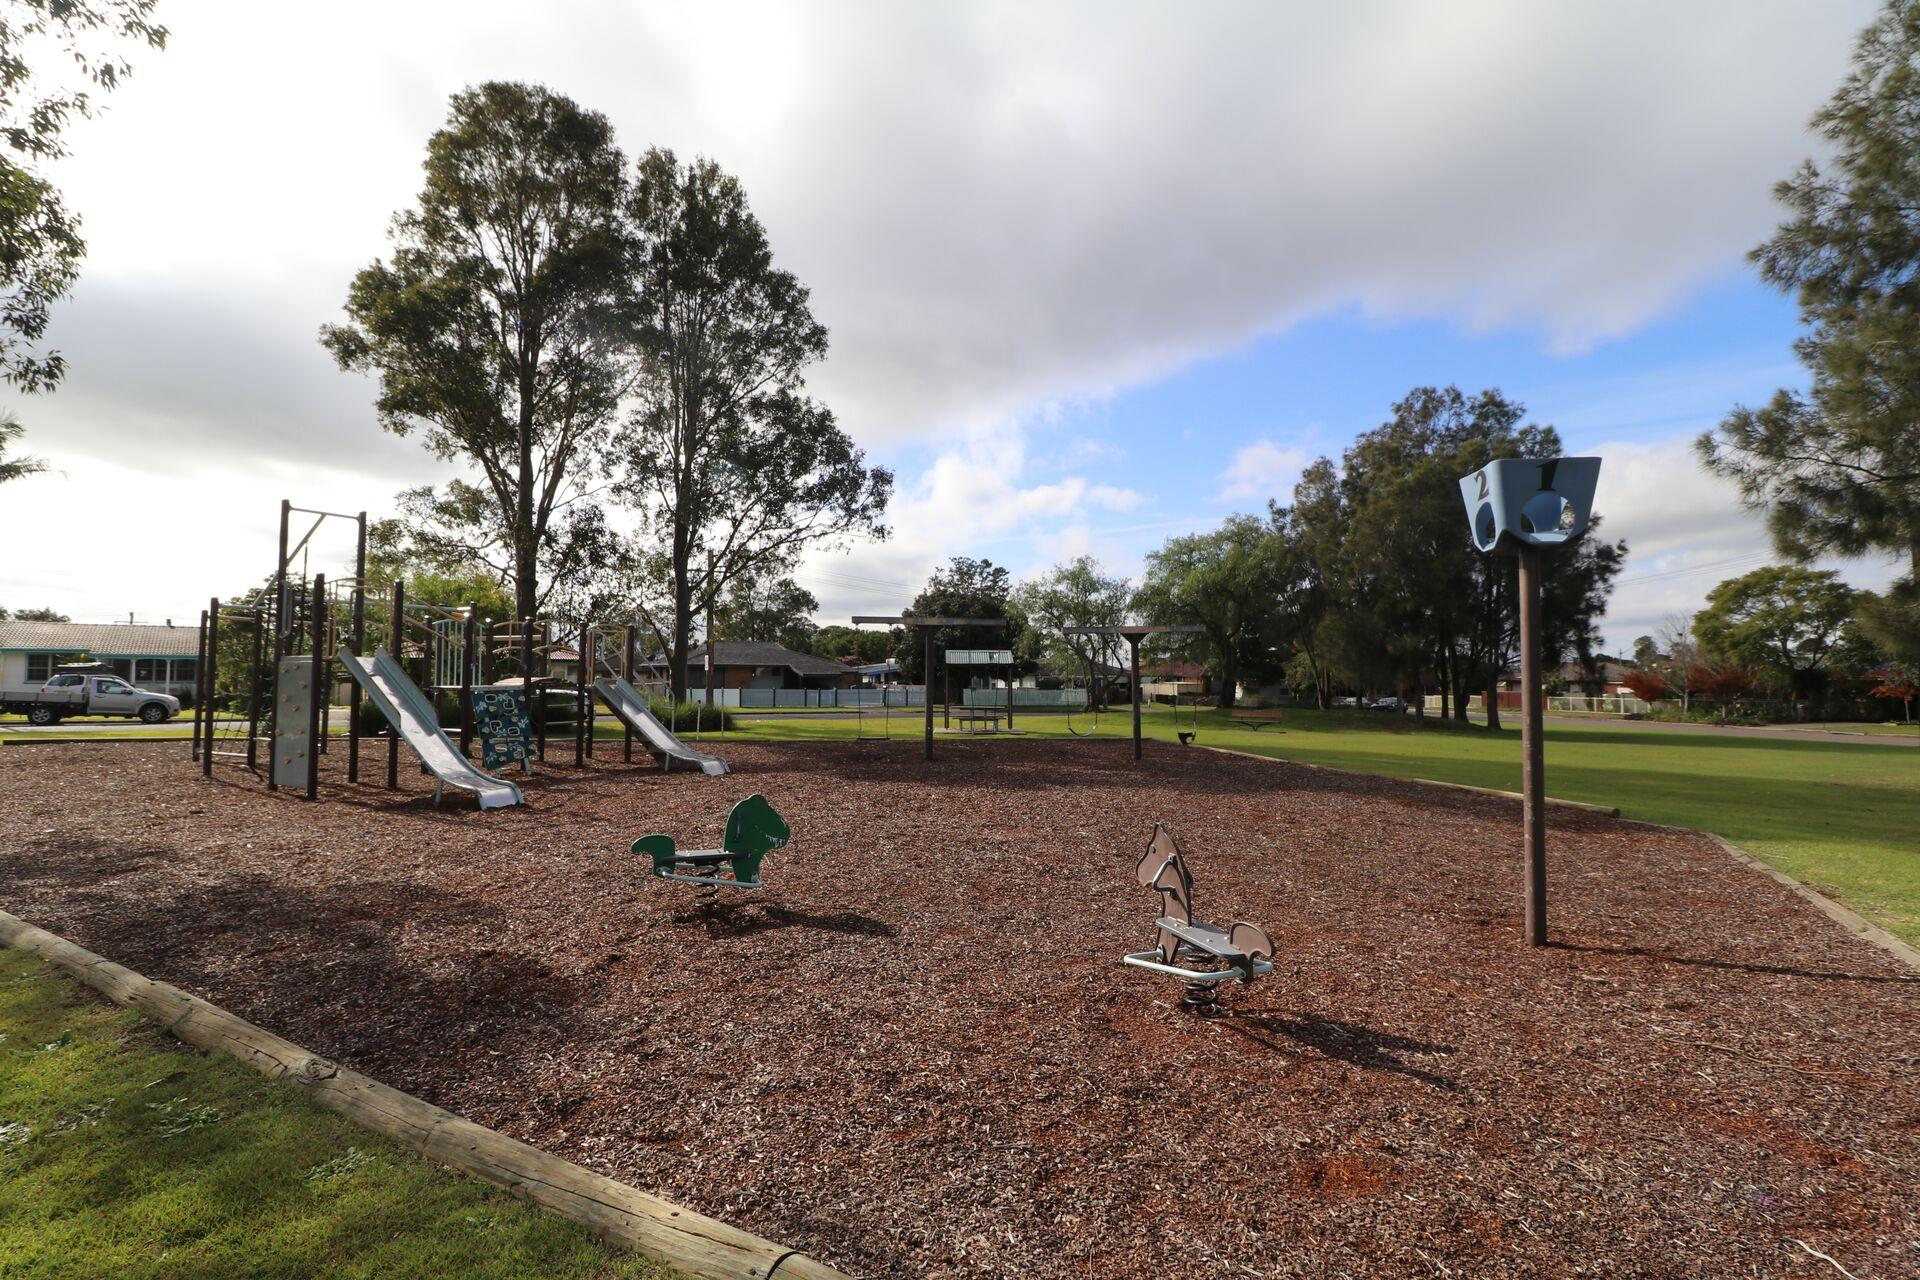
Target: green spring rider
x=753, y=831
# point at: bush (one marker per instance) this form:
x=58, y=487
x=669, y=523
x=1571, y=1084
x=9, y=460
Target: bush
x=1672, y=713
x=691, y=717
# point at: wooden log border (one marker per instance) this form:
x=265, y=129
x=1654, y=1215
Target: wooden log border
x=695, y=1244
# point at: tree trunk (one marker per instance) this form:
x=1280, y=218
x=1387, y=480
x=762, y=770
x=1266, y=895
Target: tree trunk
x=1493, y=703
x=682, y=630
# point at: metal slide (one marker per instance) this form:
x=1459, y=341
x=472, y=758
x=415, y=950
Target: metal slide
x=408, y=710
x=632, y=708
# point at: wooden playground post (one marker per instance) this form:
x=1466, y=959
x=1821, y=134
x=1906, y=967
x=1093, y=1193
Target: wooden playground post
x=199, y=682
x=583, y=703
x=396, y=641
x=926, y=677
x=253, y=691
x=626, y=673
x=322, y=659
x=359, y=647
x=468, y=635
x=211, y=669
x=1533, y=772
x=1133, y=680
x=316, y=725
x=353, y=697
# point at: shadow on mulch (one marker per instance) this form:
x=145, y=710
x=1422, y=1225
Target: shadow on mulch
x=1348, y=1042
x=363, y=995
x=741, y=920
x=1704, y=962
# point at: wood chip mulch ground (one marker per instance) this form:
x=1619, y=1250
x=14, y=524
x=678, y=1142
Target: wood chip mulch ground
x=916, y=1051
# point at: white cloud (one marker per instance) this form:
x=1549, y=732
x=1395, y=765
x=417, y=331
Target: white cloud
x=1685, y=532
x=1261, y=470
x=1000, y=208
x=978, y=497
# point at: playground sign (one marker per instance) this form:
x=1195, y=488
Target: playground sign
x=980, y=657
x=1521, y=507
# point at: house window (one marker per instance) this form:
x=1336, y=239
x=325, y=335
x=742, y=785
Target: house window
x=148, y=670
x=183, y=670
x=122, y=667
x=40, y=665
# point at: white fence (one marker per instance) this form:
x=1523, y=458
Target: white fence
x=748, y=699
x=1622, y=705
x=1025, y=698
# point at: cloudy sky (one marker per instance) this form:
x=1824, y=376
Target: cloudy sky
x=1095, y=274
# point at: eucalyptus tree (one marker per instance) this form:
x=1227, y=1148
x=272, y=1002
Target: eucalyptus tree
x=1076, y=593
x=733, y=470
x=1784, y=619
x=1226, y=581
x=56, y=58
x=497, y=328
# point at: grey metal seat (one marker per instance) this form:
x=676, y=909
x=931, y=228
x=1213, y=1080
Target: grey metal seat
x=1199, y=954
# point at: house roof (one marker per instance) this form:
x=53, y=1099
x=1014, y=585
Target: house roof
x=765, y=653
x=102, y=640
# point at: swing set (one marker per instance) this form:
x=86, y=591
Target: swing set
x=1133, y=633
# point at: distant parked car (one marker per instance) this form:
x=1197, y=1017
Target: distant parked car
x=89, y=695
x=1349, y=702
x=1387, y=704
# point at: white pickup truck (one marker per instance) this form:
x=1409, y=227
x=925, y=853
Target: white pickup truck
x=89, y=695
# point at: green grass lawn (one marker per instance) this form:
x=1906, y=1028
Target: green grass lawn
x=124, y=1154
x=1841, y=817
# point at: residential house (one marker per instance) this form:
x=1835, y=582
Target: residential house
x=762, y=664
x=163, y=658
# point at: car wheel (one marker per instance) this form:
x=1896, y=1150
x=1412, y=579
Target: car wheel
x=153, y=713
x=42, y=715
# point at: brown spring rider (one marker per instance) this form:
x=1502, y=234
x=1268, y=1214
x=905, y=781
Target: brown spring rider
x=1200, y=955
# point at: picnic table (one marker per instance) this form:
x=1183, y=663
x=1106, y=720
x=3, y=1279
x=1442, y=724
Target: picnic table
x=971, y=719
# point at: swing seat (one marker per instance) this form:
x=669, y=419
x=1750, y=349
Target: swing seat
x=753, y=831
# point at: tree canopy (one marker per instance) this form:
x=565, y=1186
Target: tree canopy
x=1225, y=582
x=964, y=588
x=1786, y=620
x=40, y=243
x=733, y=469
x=497, y=327
x=1837, y=469
x=1075, y=594
x=1386, y=582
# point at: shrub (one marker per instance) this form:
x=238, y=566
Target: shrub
x=691, y=717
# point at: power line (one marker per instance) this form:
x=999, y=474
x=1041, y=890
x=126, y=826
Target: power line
x=1734, y=562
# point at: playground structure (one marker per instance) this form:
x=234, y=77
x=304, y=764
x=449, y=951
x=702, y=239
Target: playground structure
x=267, y=675
x=414, y=719
x=1239, y=953
x=1133, y=633
x=753, y=831
x=927, y=627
